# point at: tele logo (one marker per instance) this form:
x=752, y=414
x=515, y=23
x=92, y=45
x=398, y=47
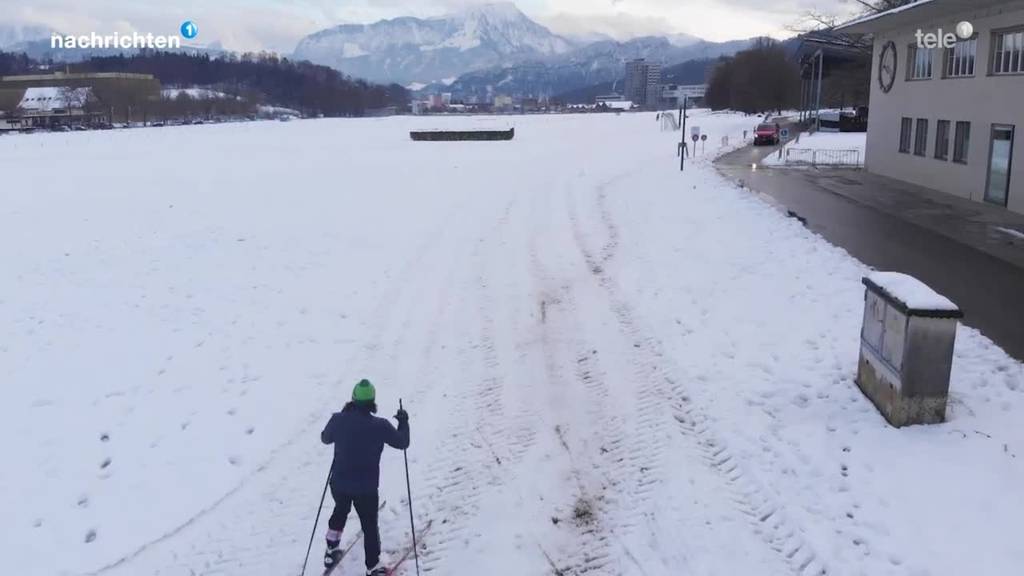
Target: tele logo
x=943, y=39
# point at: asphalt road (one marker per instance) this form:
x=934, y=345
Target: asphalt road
x=984, y=277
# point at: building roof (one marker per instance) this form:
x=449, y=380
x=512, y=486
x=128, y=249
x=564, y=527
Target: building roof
x=50, y=97
x=912, y=14
x=77, y=76
x=832, y=43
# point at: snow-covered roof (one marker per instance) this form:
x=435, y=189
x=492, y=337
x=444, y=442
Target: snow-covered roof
x=196, y=93
x=46, y=98
x=910, y=14
x=618, y=104
x=915, y=296
x=857, y=22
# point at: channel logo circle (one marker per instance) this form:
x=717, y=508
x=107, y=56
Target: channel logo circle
x=189, y=29
x=964, y=30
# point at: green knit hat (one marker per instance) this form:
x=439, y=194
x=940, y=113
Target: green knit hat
x=364, y=392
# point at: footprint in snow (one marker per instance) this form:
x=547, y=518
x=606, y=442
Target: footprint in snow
x=83, y=501
x=90, y=536
x=106, y=463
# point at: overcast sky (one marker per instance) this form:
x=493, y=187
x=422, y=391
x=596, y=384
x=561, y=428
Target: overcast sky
x=279, y=24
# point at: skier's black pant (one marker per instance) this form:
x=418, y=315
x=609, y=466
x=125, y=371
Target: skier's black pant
x=366, y=509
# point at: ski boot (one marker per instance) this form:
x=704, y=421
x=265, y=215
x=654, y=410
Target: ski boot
x=333, y=555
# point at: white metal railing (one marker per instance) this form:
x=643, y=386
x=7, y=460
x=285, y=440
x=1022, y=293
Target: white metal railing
x=817, y=157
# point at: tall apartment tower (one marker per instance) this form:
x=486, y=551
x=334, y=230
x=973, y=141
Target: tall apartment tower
x=643, y=80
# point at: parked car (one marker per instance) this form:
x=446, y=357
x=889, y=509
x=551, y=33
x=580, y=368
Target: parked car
x=766, y=134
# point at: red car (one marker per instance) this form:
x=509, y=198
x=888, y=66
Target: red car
x=766, y=134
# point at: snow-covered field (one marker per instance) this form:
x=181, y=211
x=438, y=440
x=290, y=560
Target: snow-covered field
x=801, y=152
x=611, y=367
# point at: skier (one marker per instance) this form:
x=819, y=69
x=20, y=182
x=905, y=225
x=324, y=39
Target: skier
x=359, y=438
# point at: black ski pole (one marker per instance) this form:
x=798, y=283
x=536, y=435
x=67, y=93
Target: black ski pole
x=408, y=491
x=317, y=521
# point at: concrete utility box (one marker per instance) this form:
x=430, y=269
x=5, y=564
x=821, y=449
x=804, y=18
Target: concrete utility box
x=906, y=348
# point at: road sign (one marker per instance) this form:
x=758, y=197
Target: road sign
x=703, y=137
x=695, y=137
x=695, y=131
x=784, y=133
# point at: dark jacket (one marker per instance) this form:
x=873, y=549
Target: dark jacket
x=359, y=438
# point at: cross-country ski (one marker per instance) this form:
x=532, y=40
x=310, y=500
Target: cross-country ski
x=410, y=550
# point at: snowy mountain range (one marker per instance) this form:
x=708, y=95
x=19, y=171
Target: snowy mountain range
x=594, y=64
x=488, y=44
x=12, y=36
x=407, y=49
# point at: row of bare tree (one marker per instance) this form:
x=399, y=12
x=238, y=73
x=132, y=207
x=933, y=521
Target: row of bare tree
x=759, y=79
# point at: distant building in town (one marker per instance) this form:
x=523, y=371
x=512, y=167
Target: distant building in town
x=617, y=104
x=946, y=117
x=51, y=106
x=503, y=102
x=608, y=98
x=642, y=81
x=62, y=99
x=529, y=104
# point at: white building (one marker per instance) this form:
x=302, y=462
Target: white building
x=54, y=105
x=945, y=116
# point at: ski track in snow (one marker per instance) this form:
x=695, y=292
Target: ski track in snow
x=656, y=369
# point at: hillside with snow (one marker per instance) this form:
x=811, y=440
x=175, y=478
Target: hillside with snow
x=476, y=50
x=412, y=49
x=14, y=36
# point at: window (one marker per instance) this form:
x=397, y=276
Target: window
x=961, y=142
x=906, y=125
x=960, y=58
x=942, y=140
x=1008, y=52
x=921, y=138
x=919, y=66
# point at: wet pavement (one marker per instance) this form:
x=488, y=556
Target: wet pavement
x=971, y=252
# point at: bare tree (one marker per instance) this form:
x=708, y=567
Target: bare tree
x=815, y=20
x=758, y=79
x=876, y=6
x=73, y=99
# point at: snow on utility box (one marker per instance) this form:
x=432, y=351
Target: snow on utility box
x=906, y=348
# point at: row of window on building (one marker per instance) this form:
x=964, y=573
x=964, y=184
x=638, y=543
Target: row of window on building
x=1007, y=57
x=916, y=134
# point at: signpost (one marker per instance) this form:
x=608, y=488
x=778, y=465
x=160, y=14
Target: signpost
x=703, y=142
x=682, y=140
